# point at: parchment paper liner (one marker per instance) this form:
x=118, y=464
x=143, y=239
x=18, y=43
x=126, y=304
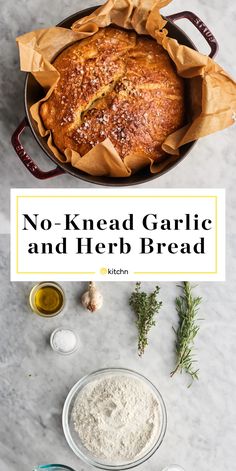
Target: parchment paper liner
x=213, y=91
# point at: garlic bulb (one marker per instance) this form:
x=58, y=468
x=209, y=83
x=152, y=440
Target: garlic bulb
x=92, y=299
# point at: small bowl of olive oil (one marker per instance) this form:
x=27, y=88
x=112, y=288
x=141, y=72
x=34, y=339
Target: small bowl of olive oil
x=47, y=299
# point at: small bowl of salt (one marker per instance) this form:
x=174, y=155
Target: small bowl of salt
x=64, y=341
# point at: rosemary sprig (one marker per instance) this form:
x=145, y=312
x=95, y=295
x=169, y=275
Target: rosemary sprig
x=187, y=309
x=145, y=306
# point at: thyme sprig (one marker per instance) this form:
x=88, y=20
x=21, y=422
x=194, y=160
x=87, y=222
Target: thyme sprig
x=145, y=306
x=187, y=308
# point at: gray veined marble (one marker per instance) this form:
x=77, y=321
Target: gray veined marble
x=34, y=381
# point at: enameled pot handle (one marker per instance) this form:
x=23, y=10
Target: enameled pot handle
x=26, y=159
x=204, y=30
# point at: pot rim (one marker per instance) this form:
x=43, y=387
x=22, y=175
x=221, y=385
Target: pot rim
x=135, y=179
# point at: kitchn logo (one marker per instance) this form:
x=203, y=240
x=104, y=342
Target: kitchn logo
x=113, y=271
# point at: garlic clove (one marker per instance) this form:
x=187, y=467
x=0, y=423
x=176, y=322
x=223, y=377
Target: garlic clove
x=92, y=299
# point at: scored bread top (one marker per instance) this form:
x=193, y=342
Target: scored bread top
x=117, y=85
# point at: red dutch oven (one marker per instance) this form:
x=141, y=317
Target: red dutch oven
x=34, y=92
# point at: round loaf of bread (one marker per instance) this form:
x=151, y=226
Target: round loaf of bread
x=117, y=85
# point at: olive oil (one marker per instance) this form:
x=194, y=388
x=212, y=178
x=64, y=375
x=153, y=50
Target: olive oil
x=47, y=299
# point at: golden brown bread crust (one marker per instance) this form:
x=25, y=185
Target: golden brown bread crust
x=119, y=85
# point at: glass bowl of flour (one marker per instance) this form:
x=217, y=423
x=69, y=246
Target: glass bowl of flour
x=114, y=418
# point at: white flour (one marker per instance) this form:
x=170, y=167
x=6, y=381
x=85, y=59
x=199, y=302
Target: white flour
x=117, y=418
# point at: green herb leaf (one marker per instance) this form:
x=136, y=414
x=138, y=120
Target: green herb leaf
x=145, y=306
x=187, y=308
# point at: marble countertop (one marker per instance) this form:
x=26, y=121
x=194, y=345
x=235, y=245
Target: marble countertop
x=34, y=381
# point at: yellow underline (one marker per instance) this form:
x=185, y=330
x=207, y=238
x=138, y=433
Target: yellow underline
x=175, y=272
x=56, y=273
